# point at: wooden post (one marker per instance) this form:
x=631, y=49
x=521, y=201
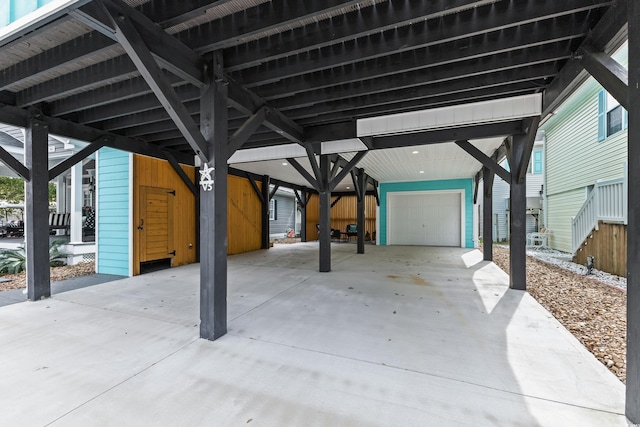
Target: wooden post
x=213, y=206
x=487, y=214
x=518, y=216
x=37, y=208
x=633, y=231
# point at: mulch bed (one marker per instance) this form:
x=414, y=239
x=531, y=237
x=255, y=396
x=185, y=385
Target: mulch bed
x=19, y=281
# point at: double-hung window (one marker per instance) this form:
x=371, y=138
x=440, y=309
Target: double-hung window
x=612, y=118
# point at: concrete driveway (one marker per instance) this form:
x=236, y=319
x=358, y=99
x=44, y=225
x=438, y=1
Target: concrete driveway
x=400, y=336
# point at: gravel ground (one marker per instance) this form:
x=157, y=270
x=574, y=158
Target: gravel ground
x=18, y=281
x=593, y=308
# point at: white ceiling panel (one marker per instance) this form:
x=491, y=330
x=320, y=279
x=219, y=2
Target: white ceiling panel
x=419, y=163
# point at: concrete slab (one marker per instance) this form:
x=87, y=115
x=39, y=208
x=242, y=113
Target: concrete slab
x=19, y=295
x=405, y=336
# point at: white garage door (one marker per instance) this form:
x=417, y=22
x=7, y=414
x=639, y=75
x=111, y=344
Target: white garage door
x=426, y=219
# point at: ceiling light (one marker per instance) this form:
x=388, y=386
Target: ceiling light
x=348, y=188
x=415, y=152
x=421, y=171
x=284, y=163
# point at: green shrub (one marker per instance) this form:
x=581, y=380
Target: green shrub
x=15, y=260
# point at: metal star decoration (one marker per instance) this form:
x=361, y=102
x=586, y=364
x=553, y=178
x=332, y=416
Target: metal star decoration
x=206, y=180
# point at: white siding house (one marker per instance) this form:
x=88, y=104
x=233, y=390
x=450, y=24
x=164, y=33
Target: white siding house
x=586, y=142
x=500, y=192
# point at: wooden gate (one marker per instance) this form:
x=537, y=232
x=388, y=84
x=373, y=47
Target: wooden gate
x=155, y=225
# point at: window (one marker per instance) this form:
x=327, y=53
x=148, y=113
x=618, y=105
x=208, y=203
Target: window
x=273, y=212
x=536, y=162
x=612, y=118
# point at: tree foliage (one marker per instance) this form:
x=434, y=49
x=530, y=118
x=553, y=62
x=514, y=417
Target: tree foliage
x=12, y=190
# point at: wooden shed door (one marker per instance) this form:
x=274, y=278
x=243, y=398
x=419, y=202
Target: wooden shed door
x=155, y=226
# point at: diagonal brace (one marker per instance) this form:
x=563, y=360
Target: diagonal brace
x=255, y=188
x=608, y=72
x=14, y=164
x=273, y=191
x=181, y=173
x=245, y=131
x=354, y=178
x=79, y=156
x=485, y=160
x=346, y=169
x=529, y=141
x=315, y=167
x=306, y=175
x=141, y=56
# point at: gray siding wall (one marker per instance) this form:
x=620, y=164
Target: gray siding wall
x=285, y=217
x=500, y=219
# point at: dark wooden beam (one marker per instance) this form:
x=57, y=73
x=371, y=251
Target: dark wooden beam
x=266, y=201
x=518, y=216
x=273, y=191
x=611, y=26
x=18, y=117
x=529, y=141
x=360, y=205
x=476, y=185
x=79, y=156
x=213, y=206
x=485, y=160
x=140, y=53
x=170, y=53
x=608, y=72
x=487, y=214
x=346, y=169
x=256, y=190
x=325, y=213
x=14, y=164
x=632, y=406
x=243, y=133
x=306, y=175
x=182, y=174
x=247, y=102
x=37, y=208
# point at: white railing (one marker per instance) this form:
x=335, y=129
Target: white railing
x=607, y=202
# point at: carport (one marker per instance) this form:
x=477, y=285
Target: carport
x=408, y=336
x=210, y=80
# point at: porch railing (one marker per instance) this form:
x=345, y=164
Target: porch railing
x=607, y=202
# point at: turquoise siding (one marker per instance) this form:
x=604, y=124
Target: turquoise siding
x=12, y=10
x=450, y=184
x=113, y=212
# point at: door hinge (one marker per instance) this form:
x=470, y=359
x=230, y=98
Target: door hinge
x=172, y=253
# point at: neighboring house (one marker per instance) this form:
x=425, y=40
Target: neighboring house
x=501, y=200
x=282, y=213
x=586, y=154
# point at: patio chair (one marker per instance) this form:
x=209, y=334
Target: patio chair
x=538, y=240
x=350, y=231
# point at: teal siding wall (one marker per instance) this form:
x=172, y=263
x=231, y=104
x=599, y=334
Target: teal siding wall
x=12, y=10
x=449, y=184
x=113, y=255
